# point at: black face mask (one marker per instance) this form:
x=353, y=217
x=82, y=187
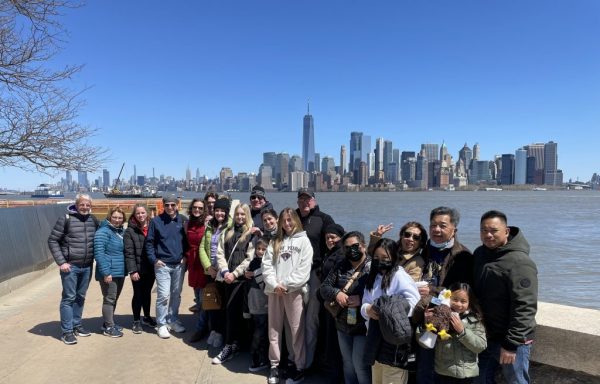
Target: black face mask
x=381, y=265
x=353, y=252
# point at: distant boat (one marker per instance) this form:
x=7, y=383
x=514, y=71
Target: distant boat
x=493, y=189
x=132, y=194
x=539, y=189
x=45, y=191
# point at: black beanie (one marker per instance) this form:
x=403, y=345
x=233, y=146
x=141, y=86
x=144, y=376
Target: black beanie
x=335, y=229
x=223, y=203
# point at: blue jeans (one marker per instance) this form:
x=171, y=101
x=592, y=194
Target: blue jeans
x=356, y=371
x=168, y=293
x=516, y=373
x=202, y=324
x=75, y=285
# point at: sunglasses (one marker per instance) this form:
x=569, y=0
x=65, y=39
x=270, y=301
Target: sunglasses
x=198, y=208
x=170, y=205
x=408, y=235
x=255, y=197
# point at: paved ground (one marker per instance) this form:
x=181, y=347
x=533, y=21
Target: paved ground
x=31, y=350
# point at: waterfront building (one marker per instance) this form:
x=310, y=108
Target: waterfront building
x=327, y=164
x=363, y=174
x=82, y=180
x=225, y=178
x=520, y=166
x=552, y=175
x=430, y=151
x=379, y=158
x=105, y=179
x=481, y=172
x=536, y=150
x=317, y=163
x=265, y=175
x=421, y=172
x=343, y=160
x=466, y=155
x=367, y=156
x=270, y=158
x=355, y=150
x=507, y=169
x=296, y=164
x=476, y=151
x=308, y=141
x=282, y=170
x=388, y=157
x=298, y=180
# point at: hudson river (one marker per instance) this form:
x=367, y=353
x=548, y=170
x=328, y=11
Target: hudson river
x=562, y=227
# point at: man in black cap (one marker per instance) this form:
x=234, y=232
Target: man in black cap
x=258, y=202
x=314, y=222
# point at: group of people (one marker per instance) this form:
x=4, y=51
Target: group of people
x=302, y=293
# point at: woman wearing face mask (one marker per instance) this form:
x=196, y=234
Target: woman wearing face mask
x=387, y=279
x=345, y=285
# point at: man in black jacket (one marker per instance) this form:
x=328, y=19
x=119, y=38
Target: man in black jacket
x=506, y=286
x=314, y=222
x=71, y=243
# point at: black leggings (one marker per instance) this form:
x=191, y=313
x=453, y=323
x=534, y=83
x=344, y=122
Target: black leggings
x=142, y=290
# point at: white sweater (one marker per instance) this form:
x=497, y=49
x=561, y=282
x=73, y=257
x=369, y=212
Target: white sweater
x=400, y=284
x=292, y=265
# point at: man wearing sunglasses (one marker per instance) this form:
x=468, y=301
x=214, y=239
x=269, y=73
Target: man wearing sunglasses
x=166, y=245
x=258, y=203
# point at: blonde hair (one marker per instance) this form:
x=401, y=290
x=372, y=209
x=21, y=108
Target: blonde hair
x=281, y=232
x=246, y=227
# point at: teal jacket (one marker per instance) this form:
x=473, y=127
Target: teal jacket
x=108, y=251
x=204, y=249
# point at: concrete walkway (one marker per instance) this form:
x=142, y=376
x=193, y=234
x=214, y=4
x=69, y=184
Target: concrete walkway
x=31, y=350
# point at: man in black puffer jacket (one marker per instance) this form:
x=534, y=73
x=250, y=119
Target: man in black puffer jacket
x=71, y=243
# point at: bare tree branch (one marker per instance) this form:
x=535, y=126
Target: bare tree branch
x=38, y=127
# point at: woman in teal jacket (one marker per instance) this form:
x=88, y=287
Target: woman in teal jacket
x=110, y=266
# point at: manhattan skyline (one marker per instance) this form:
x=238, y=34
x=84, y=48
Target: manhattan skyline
x=218, y=84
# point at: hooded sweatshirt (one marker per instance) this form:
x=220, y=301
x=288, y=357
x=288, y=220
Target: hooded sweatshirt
x=291, y=267
x=506, y=286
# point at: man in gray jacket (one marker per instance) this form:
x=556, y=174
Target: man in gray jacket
x=71, y=243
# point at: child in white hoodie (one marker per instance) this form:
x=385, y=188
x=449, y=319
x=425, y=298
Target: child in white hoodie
x=286, y=270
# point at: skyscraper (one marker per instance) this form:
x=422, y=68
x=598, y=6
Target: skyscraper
x=355, y=150
x=343, y=160
x=379, y=159
x=552, y=175
x=430, y=151
x=520, y=166
x=507, y=177
x=105, y=178
x=388, y=157
x=308, y=142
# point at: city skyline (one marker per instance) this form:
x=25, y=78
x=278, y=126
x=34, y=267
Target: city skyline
x=218, y=84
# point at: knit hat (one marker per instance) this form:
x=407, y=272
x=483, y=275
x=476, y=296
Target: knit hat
x=171, y=198
x=257, y=190
x=222, y=203
x=335, y=229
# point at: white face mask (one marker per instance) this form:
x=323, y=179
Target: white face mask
x=444, y=245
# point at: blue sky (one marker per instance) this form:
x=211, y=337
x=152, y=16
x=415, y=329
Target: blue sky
x=217, y=83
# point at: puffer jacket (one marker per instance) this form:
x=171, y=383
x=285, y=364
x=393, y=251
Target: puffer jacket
x=77, y=245
x=383, y=350
x=108, y=251
x=135, y=250
x=335, y=281
x=234, y=254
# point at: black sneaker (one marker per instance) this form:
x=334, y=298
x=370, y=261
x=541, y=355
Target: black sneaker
x=295, y=377
x=81, y=332
x=258, y=364
x=137, y=327
x=149, y=321
x=197, y=336
x=273, y=376
x=113, y=332
x=69, y=338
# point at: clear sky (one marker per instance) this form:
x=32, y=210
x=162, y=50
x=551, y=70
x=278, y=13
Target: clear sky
x=217, y=83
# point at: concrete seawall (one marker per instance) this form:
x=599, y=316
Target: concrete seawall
x=566, y=348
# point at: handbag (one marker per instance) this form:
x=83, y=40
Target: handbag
x=211, y=297
x=332, y=306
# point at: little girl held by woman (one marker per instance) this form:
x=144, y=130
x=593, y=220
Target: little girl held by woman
x=456, y=357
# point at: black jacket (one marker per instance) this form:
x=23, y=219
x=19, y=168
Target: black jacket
x=382, y=350
x=506, y=286
x=314, y=224
x=335, y=281
x=135, y=250
x=72, y=238
x=256, y=218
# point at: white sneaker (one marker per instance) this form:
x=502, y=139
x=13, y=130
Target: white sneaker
x=211, y=338
x=218, y=340
x=163, y=332
x=176, y=326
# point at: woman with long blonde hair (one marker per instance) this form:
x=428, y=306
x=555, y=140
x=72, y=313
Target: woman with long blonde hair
x=286, y=270
x=234, y=253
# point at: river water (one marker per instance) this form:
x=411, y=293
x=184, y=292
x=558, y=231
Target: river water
x=562, y=228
